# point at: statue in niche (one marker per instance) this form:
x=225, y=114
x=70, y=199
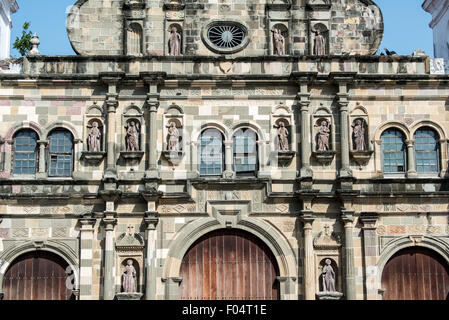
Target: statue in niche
x=282, y=137
x=132, y=136
x=173, y=137
x=279, y=42
x=323, y=136
x=94, y=138
x=129, y=277
x=328, y=275
x=319, y=44
x=359, y=135
x=175, y=42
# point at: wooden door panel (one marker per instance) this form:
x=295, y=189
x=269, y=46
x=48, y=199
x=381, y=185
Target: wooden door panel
x=37, y=275
x=416, y=274
x=229, y=264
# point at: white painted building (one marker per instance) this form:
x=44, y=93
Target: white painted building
x=7, y=8
x=439, y=9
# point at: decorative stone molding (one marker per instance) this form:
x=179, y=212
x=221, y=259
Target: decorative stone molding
x=327, y=241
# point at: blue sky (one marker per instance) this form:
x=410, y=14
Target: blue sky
x=406, y=25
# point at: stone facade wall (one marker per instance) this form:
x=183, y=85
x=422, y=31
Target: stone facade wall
x=85, y=216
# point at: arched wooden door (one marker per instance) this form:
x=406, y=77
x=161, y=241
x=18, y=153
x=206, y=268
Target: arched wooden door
x=416, y=274
x=229, y=265
x=37, y=275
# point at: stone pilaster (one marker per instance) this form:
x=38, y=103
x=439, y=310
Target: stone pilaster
x=348, y=254
x=153, y=80
x=172, y=288
x=86, y=254
x=309, y=265
x=151, y=220
x=110, y=175
x=342, y=102
x=303, y=98
x=368, y=221
x=109, y=222
x=411, y=170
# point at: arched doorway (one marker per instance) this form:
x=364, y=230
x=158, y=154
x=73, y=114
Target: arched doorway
x=229, y=265
x=38, y=275
x=416, y=273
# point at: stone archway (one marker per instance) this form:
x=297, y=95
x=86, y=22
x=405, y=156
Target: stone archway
x=38, y=275
x=415, y=273
x=229, y=264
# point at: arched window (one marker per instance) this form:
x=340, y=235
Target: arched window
x=211, y=156
x=394, y=151
x=60, y=153
x=245, y=152
x=25, y=152
x=427, y=152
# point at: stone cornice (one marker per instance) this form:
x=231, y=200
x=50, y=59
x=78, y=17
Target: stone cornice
x=437, y=8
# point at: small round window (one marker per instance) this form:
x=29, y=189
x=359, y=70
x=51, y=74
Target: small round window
x=225, y=36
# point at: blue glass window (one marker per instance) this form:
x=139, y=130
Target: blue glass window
x=211, y=153
x=245, y=151
x=61, y=153
x=394, y=151
x=25, y=152
x=426, y=150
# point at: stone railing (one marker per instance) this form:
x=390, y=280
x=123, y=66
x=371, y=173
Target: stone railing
x=224, y=65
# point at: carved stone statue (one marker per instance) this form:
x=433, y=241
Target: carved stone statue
x=173, y=137
x=323, y=136
x=282, y=137
x=319, y=44
x=175, y=42
x=94, y=138
x=359, y=135
x=279, y=42
x=129, y=277
x=328, y=277
x=132, y=137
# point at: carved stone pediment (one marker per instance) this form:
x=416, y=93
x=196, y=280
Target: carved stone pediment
x=129, y=242
x=327, y=241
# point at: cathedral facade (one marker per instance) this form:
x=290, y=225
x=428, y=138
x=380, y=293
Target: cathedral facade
x=240, y=149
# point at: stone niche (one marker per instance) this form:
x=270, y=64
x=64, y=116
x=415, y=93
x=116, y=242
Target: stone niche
x=327, y=247
x=282, y=153
x=173, y=132
x=94, y=135
x=361, y=148
x=323, y=135
x=133, y=133
x=129, y=246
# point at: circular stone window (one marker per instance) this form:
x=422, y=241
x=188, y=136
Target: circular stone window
x=225, y=36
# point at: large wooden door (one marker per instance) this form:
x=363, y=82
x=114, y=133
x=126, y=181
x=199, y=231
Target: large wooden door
x=229, y=265
x=37, y=275
x=416, y=274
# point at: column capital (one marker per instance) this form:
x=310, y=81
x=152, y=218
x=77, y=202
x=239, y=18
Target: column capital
x=87, y=224
x=111, y=78
x=110, y=195
x=306, y=216
x=410, y=143
x=109, y=223
x=151, y=77
x=228, y=143
x=151, y=219
x=368, y=220
x=42, y=142
x=347, y=216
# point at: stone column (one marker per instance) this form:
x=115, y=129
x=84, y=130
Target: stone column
x=368, y=220
x=151, y=220
x=411, y=171
x=111, y=79
x=345, y=170
x=42, y=166
x=109, y=224
x=85, y=277
x=348, y=218
x=309, y=265
x=303, y=103
x=228, y=173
